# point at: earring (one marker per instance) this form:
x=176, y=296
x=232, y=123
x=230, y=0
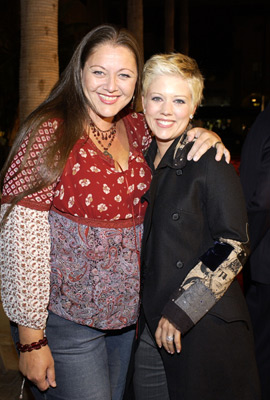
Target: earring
x=191, y=116
x=144, y=110
x=132, y=105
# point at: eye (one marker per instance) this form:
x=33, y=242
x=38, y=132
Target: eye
x=125, y=76
x=156, y=98
x=97, y=72
x=180, y=101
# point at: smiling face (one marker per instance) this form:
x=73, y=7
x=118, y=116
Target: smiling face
x=168, y=105
x=108, y=78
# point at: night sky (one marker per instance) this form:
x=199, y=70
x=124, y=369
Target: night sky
x=230, y=40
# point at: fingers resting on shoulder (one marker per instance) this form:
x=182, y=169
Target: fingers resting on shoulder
x=204, y=140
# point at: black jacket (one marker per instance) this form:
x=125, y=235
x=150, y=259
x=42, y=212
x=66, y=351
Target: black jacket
x=196, y=212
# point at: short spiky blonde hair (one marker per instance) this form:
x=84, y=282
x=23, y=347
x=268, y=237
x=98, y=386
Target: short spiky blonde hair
x=174, y=64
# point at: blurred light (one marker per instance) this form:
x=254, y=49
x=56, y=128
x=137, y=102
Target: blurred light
x=255, y=102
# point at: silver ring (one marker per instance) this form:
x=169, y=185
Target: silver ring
x=169, y=338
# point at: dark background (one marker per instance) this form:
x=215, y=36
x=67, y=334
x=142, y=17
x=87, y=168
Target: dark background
x=230, y=39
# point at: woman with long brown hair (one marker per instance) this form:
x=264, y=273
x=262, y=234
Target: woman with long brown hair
x=72, y=222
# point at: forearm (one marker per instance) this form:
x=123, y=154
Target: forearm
x=30, y=335
x=203, y=287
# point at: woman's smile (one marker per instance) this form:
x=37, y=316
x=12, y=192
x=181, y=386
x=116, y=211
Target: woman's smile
x=106, y=99
x=164, y=123
x=168, y=105
x=108, y=79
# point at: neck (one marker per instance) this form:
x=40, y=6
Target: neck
x=102, y=123
x=162, y=147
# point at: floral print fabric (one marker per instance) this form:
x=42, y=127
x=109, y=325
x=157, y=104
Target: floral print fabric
x=16, y=184
x=90, y=195
x=25, y=266
x=91, y=187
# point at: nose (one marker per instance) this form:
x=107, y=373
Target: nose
x=166, y=108
x=111, y=84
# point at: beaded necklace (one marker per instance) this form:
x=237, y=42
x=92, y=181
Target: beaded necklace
x=100, y=135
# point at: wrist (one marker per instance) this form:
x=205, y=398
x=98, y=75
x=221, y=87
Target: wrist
x=29, y=335
x=23, y=348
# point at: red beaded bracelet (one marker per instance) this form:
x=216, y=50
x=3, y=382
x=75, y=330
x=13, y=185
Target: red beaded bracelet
x=33, y=346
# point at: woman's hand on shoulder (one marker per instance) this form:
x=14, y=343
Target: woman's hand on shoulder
x=168, y=336
x=204, y=141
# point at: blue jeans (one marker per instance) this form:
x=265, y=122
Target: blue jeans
x=89, y=364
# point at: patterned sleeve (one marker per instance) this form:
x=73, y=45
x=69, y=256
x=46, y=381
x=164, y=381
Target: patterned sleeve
x=25, y=239
x=206, y=284
x=140, y=128
x=25, y=270
x=15, y=183
x=216, y=269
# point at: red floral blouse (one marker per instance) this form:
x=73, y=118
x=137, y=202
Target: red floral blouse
x=74, y=245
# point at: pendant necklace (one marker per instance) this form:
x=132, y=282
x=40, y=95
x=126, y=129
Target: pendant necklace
x=100, y=135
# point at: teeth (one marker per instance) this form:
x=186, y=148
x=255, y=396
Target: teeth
x=165, y=123
x=109, y=98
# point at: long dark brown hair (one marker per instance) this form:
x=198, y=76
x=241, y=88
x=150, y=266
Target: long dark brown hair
x=68, y=103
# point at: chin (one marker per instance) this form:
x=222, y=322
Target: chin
x=109, y=111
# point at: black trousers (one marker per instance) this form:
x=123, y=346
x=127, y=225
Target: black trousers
x=217, y=361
